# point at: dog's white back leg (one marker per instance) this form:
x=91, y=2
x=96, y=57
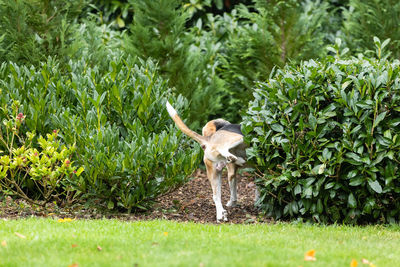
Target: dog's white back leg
x=214, y=177
x=224, y=151
x=226, y=154
x=232, y=180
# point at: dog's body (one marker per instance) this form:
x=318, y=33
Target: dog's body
x=223, y=145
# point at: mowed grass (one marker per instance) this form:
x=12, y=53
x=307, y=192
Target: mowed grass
x=47, y=242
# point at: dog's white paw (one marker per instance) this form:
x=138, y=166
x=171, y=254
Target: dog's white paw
x=225, y=215
x=222, y=217
x=231, y=204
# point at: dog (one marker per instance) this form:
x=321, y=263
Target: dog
x=223, y=146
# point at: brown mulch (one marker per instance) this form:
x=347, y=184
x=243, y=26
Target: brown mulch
x=191, y=202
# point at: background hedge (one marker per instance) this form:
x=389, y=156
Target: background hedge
x=325, y=135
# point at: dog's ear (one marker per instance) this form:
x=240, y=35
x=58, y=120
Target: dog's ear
x=203, y=146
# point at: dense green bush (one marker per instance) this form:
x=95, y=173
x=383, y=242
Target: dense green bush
x=326, y=136
x=367, y=18
x=129, y=148
x=32, y=30
x=273, y=33
x=158, y=31
x=96, y=43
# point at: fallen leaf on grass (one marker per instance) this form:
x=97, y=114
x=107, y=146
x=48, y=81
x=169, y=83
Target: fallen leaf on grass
x=74, y=245
x=20, y=235
x=65, y=220
x=365, y=261
x=353, y=263
x=73, y=265
x=4, y=243
x=99, y=248
x=310, y=255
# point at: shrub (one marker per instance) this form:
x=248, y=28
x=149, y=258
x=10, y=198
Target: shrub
x=325, y=135
x=158, y=32
x=272, y=33
x=367, y=18
x=130, y=149
x=124, y=139
x=97, y=43
x=29, y=172
x=36, y=29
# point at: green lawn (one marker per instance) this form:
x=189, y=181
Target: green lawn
x=48, y=242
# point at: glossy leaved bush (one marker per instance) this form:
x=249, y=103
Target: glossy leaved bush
x=115, y=118
x=326, y=136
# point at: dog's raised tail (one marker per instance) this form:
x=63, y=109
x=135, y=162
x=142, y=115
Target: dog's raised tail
x=182, y=126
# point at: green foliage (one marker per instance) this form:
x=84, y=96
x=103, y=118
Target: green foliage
x=127, y=143
x=96, y=43
x=326, y=137
x=275, y=33
x=130, y=149
x=29, y=172
x=34, y=30
x=158, y=32
x=113, y=11
x=365, y=19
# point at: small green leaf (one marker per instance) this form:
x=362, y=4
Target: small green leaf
x=375, y=186
x=379, y=118
x=110, y=205
x=295, y=208
x=297, y=189
x=385, y=43
x=277, y=127
x=345, y=84
x=121, y=22
x=356, y=181
x=321, y=169
x=79, y=171
x=296, y=174
x=320, y=207
x=329, y=185
x=352, y=201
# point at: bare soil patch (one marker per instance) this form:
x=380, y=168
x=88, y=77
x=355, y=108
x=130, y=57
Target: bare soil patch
x=191, y=202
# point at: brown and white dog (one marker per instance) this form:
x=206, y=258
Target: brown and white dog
x=223, y=145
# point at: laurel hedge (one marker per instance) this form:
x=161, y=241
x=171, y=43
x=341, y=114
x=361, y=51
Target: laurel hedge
x=127, y=148
x=326, y=138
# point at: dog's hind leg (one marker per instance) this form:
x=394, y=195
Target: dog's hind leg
x=214, y=176
x=228, y=155
x=224, y=151
x=232, y=180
